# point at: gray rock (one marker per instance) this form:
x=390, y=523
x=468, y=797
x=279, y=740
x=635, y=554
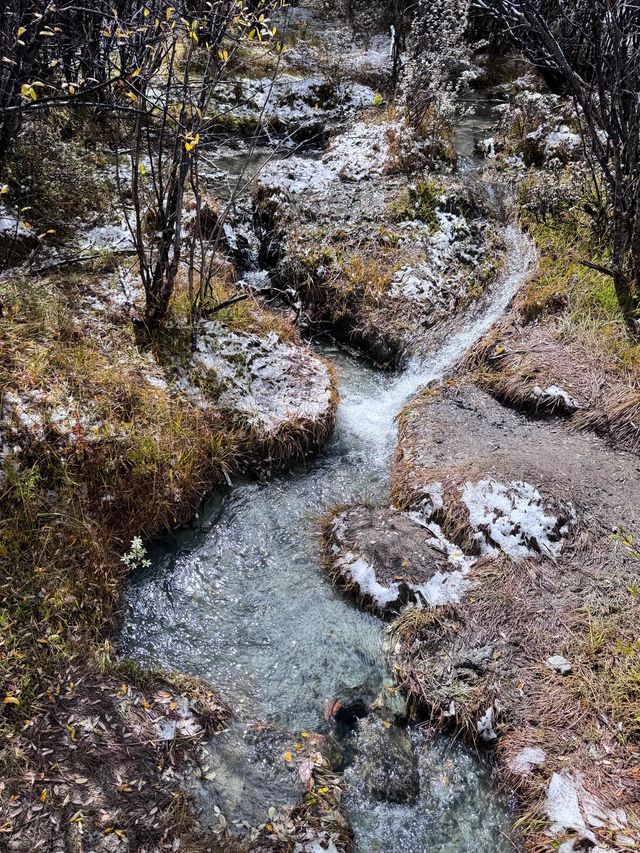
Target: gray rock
x=386, y=762
x=559, y=664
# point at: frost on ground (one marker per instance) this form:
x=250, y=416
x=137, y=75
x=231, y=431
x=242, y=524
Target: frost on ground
x=36, y=412
x=290, y=101
x=440, y=280
x=356, y=155
x=269, y=382
x=512, y=518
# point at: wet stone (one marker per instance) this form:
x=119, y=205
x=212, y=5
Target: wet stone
x=386, y=762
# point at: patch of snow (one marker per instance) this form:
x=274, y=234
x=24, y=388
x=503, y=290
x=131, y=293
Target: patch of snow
x=11, y=225
x=484, y=725
x=512, y=518
x=439, y=281
x=363, y=574
x=35, y=411
x=270, y=381
x=555, y=397
x=487, y=147
x=527, y=759
x=297, y=175
x=562, y=141
x=361, y=152
x=570, y=807
x=114, y=236
x=255, y=280
x=155, y=381
x=563, y=807
x=121, y=295
x=559, y=664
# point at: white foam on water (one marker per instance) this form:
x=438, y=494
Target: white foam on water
x=371, y=417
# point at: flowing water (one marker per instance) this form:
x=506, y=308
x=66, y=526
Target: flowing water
x=240, y=599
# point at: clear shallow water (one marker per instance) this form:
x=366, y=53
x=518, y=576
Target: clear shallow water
x=457, y=810
x=241, y=600
x=244, y=602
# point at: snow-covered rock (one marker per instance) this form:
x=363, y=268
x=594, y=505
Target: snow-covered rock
x=271, y=383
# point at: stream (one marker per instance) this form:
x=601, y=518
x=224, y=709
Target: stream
x=240, y=599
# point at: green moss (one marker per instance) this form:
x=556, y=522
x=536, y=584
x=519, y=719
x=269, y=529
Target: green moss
x=419, y=201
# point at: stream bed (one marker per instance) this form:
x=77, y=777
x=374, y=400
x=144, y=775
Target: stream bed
x=240, y=599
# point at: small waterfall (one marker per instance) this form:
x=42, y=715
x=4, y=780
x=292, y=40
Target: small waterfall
x=372, y=418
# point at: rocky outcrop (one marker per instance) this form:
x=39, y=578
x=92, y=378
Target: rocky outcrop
x=386, y=762
x=367, y=253
x=389, y=559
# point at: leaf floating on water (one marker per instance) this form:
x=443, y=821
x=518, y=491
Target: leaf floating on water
x=331, y=708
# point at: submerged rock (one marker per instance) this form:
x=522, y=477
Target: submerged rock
x=386, y=762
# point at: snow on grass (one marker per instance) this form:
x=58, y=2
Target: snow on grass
x=363, y=574
x=512, y=518
x=441, y=280
x=11, y=225
x=356, y=155
x=107, y=237
x=555, y=397
x=361, y=152
x=269, y=381
x=33, y=413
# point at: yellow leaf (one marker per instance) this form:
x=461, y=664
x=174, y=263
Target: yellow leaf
x=21, y=31
x=28, y=91
x=77, y=818
x=136, y=72
x=169, y=12
x=191, y=141
x=287, y=756
x=500, y=349
x=4, y=189
x=43, y=795
x=141, y=169
x=10, y=700
x=72, y=89
x=132, y=96
x=146, y=13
